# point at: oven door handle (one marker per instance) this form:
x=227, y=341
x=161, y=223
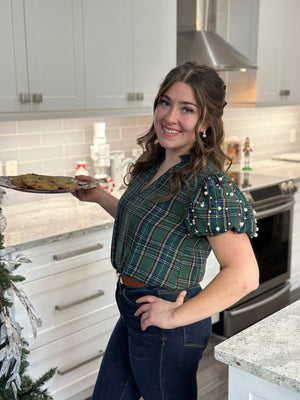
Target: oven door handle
x=261, y=303
x=274, y=210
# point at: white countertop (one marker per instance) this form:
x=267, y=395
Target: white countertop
x=57, y=218
x=270, y=349
x=280, y=169
x=288, y=157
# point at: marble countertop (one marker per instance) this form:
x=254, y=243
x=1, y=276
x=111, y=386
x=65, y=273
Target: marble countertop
x=270, y=349
x=61, y=216
x=56, y=218
x=277, y=168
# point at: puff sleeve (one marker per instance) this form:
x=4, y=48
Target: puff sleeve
x=218, y=205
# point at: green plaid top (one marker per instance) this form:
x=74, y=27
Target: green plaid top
x=164, y=244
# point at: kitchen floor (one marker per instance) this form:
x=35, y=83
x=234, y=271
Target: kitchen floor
x=212, y=375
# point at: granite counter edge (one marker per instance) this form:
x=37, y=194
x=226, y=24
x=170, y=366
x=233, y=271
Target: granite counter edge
x=225, y=352
x=62, y=236
x=255, y=369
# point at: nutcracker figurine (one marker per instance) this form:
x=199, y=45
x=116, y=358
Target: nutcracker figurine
x=247, y=149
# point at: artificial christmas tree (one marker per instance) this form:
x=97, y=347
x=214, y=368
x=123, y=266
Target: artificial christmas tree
x=14, y=383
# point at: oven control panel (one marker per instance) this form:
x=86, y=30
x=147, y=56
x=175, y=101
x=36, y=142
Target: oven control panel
x=288, y=187
x=270, y=193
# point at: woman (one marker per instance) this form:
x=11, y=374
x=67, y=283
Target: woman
x=179, y=205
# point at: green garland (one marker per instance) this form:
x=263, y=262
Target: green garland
x=26, y=388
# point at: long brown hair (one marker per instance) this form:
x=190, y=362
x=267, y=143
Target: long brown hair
x=209, y=91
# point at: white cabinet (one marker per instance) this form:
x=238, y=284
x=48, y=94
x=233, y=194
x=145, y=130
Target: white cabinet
x=295, y=267
x=244, y=386
x=278, y=51
x=84, y=54
x=41, y=55
x=129, y=46
x=71, y=284
x=212, y=270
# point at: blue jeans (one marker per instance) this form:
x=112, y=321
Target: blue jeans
x=157, y=364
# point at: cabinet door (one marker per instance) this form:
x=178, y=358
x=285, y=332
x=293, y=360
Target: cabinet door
x=278, y=51
x=129, y=47
x=55, y=54
x=108, y=49
x=42, y=55
x=154, y=46
x=290, y=59
x=13, y=66
x=270, y=35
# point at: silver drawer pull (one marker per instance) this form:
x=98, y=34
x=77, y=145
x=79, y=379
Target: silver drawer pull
x=78, y=252
x=24, y=98
x=140, y=96
x=37, y=97
x=66, y=371
x=75, y=303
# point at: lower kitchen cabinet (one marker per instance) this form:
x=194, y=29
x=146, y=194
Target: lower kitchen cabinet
x=71, y=284
x=212, y=269
x=78, y=357
x=295, y=264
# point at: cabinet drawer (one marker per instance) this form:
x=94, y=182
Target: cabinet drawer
x=77, y=358
x=69, y=301
x=66, y=254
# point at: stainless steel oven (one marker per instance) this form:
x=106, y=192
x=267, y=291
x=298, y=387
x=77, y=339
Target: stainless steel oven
x=273, y=204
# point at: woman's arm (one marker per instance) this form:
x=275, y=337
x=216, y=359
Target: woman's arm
x=238, y=276
x=97, y=195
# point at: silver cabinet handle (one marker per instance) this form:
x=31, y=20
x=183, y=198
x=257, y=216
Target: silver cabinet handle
x=24, y=98
x=131, y=96
x=135, y=96
x=140, y=96
x=75, y=303
x=63, y=256
x=284, y=92
x=37, y=97
x=67, y=370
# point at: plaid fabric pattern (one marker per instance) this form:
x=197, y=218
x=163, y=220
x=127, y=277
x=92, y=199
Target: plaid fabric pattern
x=164, y=243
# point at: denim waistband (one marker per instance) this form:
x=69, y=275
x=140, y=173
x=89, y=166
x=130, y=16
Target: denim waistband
x=158, y=291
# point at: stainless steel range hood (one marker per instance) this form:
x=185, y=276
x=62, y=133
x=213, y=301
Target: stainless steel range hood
x=198, y=41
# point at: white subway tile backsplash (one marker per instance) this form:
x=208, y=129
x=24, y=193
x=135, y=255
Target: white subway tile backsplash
x=54, y=146
x=30, y=166
x=61, y=137
x=6, y=155
x=41, y=153
x=8, y=127
x=113, y=122
x=77, y=150
x=46, y=125
x=71, y=124
x=112, y=134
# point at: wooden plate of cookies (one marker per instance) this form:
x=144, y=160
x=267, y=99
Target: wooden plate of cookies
x=35, y=183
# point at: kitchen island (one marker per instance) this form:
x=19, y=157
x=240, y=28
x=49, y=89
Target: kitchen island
x=264, y=359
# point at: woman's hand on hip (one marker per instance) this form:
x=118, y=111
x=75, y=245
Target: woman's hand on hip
x=158, y=312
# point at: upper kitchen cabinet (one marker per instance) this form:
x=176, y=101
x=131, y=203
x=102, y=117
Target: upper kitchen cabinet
x=278, y=52
x=129, y=46
x=42, y=55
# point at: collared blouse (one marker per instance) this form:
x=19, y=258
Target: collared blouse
x=164, y=244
